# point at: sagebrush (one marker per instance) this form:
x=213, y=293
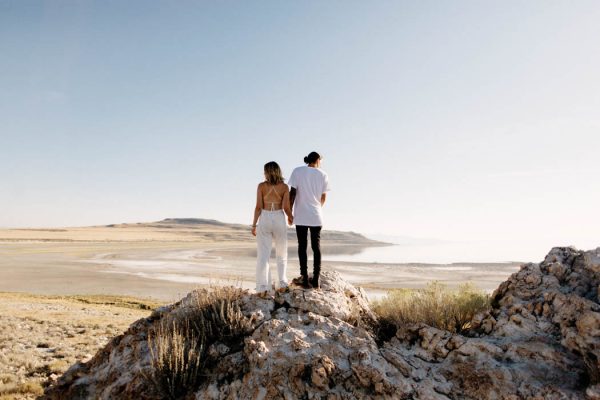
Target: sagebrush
x=179, y=341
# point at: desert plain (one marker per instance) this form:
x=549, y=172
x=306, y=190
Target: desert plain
x=64, y=292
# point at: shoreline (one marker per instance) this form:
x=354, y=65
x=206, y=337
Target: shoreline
x=167, y=259
x=169, y=270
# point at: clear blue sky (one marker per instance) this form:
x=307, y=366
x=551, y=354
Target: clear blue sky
x=453, y=120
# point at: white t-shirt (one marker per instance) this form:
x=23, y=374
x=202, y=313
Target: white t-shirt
x=310, y=183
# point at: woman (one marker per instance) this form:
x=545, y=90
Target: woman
x=272, y=201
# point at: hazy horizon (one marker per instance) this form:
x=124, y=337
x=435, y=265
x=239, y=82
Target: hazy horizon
x=456, y=121
x=410, y=249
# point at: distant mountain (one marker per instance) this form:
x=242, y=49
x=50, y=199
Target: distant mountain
x=193, y=221
x=220, y=229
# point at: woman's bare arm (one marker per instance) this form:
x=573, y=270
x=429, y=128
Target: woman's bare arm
x=257, y=209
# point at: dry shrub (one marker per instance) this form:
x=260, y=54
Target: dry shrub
x=435, y=305
x=6, y=378
x=58, y=366
x=112, y=300
x=179, y=341
x=176, y=357
x=23, y=388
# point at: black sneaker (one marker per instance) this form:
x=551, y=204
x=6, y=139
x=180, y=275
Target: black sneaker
x=306, y=282
x=315, y=282
x=302, y=281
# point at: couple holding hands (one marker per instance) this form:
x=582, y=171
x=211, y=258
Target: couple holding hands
x=306, y=196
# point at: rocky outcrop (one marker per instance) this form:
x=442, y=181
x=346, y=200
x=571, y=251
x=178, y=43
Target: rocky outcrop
x=540, y=340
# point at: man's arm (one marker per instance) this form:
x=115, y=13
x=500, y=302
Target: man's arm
x=286, y=207
x=325, y=189
x=292, y=197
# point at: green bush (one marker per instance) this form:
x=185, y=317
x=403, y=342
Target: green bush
x=435, y=305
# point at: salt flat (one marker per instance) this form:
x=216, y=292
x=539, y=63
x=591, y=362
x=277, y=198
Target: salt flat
x=164, y=260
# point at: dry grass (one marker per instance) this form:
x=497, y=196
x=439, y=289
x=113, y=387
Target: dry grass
x=92, y=299
x=179, y=341
x=117, y=301
x=436, y=305
x=20, y=390
x=176, y=354
x=42, y=336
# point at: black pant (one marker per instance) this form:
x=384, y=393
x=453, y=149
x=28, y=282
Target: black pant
x=315, y=243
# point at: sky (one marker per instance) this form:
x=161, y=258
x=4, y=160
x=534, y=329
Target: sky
x=462, y=120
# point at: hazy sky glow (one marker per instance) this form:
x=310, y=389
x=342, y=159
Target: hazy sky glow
x=452, y=120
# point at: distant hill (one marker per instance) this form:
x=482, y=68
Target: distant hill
x=178, y=222
x=197, y=221
x=227, y=231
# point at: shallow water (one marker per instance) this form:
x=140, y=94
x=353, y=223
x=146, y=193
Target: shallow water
x=379, y=273
x=448, y=253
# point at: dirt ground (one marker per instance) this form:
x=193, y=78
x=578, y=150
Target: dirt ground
x=42, y=336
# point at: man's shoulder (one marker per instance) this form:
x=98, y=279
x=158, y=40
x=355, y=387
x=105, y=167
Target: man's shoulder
x=299, y=171
x=321, y=172
x=300, y=168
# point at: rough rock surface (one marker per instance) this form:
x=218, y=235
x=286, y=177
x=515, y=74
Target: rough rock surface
x=541, y=340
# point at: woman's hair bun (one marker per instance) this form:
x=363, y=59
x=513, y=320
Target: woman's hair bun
x=306, y=160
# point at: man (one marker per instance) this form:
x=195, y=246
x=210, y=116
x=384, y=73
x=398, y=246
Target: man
x=309, y=187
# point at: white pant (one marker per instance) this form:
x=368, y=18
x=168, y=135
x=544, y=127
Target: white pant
x=272, y=225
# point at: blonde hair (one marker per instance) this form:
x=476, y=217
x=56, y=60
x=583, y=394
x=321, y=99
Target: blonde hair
x=273, y=173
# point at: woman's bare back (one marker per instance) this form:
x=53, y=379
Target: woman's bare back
x=273, y=196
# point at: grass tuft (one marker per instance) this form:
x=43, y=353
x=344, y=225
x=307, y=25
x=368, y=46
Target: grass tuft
x=176, y=353
x=11, y=390
x=436, y=305
x=178, y=342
